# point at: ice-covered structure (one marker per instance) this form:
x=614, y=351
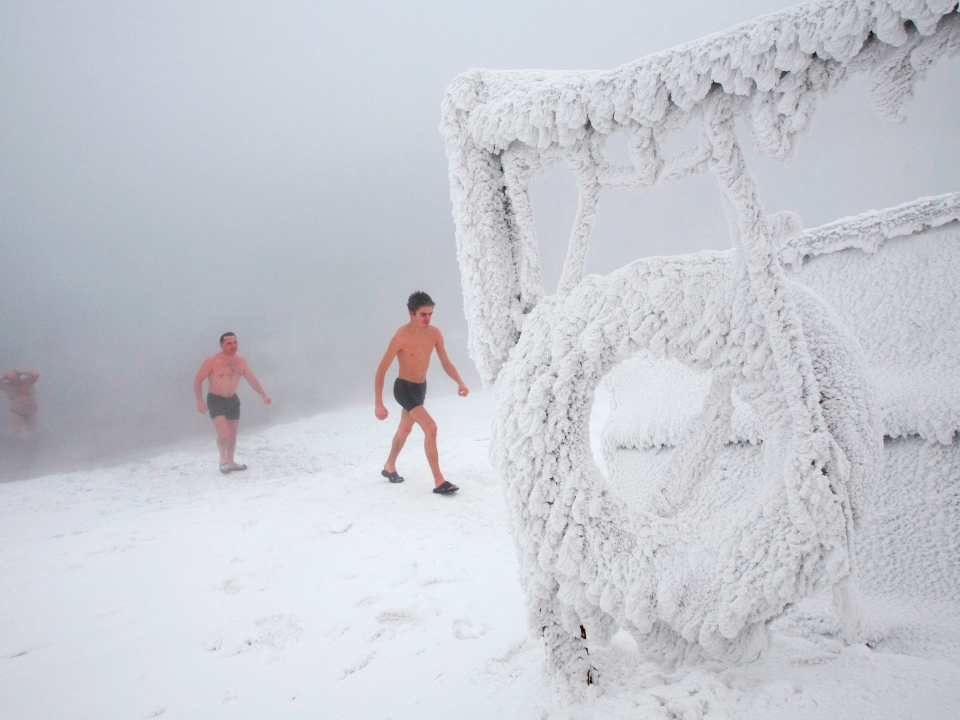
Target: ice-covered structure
x=750, y=402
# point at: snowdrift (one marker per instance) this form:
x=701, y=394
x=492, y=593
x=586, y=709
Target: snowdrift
x=747, y=441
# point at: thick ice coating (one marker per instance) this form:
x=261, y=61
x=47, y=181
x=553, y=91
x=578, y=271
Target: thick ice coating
x=890, y=276
x=735, y=532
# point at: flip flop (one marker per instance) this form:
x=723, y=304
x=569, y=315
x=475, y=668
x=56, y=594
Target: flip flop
x=225, y=468
x=237, y=468
x=392, y=476
x=445, y=488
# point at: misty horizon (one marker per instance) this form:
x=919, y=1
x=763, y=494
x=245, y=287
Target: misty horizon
x=173, y=172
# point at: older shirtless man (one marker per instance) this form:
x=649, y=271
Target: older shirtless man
x=18, y=385
x=224, y=371
x=413, y=345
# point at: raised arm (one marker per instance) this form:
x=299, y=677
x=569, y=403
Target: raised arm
x=448, y=367
x=202, y=375
x=392, y=349
x=254, y=383
x=29, y=376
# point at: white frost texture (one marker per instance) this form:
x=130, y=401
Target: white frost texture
x=753, y=388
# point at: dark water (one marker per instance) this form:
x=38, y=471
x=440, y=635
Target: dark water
x=19, y=458
x=47, y=453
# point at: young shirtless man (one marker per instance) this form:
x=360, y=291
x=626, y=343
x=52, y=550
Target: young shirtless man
x=412, y=346
x=224, y=371
x=18, y=385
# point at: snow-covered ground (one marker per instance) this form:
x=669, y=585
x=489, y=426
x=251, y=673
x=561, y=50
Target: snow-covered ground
x=309, y=587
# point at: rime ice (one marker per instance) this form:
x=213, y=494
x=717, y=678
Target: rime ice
x=757, y=486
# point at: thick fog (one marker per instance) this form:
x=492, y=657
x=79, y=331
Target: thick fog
x=174, y=170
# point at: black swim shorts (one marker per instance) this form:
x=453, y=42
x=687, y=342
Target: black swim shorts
x=409, y=394
x=229, y=407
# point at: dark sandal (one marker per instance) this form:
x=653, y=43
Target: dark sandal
x=238, y=468
x=445, y=488
x=393, y=477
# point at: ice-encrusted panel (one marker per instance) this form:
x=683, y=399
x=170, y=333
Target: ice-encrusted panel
x=898, y=294
x=903, y=303
x=909, y=540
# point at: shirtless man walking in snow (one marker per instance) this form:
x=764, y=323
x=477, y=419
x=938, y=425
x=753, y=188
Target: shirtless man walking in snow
x=412, y=346
x=224, y=371
x=18, y=385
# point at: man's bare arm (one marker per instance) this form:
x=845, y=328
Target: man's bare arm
x=392, y=349
x=205, y=369
x=30, y=376
x=448, y=367
x=255, y=384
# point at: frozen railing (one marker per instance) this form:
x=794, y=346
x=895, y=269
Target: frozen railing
x=699, y=572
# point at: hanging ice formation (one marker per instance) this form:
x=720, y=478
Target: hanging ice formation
x=755, y=505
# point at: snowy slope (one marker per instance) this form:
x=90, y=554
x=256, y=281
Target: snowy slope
x=311, y=588
x=306, y=587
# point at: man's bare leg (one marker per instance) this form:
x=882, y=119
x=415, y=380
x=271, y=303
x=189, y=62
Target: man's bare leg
x=399, y=439
x=423, y=419
x=16, y=424
x=223, y=437
x=226, y=438
x=232, y=441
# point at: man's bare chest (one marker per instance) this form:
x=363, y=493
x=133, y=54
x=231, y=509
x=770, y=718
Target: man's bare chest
x=416, y=348
x=227, y=368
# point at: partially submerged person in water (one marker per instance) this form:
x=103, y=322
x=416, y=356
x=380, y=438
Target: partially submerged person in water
x=18, y=385
x=224, y=371
x=413, y=345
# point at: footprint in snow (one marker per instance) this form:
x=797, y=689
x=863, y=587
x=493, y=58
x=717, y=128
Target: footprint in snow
x=400, y=616
x=392, y=622
x=240, y=583
x=264, y=639
x=359, y=664
x=469, y=628
x=337, y=630
x=383, y=634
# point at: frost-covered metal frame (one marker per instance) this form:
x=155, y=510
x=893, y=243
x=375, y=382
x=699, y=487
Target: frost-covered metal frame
x=589, y=566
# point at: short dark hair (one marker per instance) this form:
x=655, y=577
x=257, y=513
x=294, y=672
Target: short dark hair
x=226, y=335
x=418, y=300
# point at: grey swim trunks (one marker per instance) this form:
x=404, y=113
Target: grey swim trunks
x=409, y=394
x=229, y=407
